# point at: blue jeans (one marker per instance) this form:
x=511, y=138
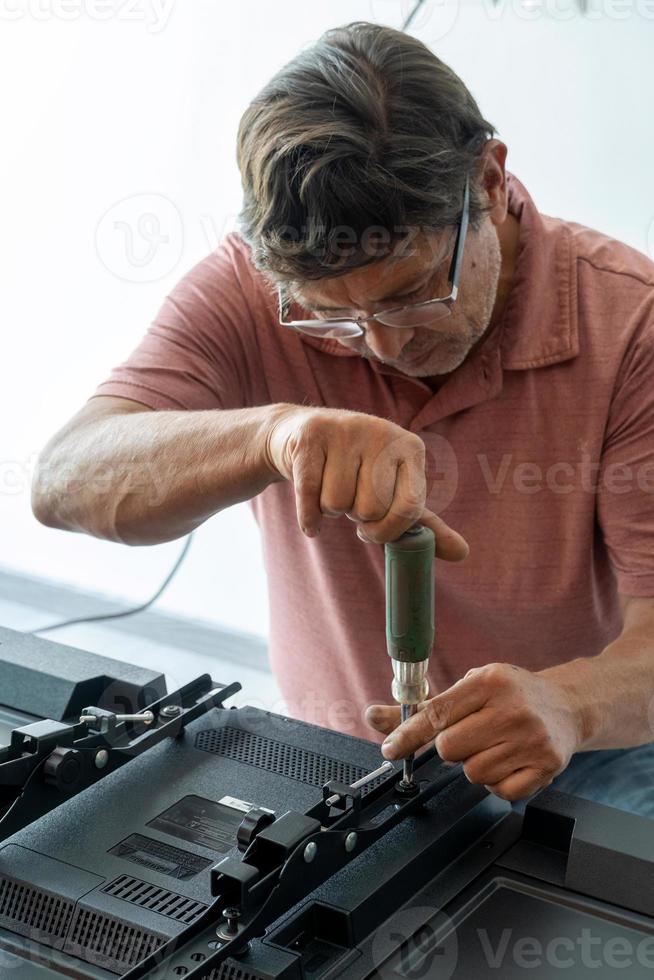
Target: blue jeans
x=623, y=778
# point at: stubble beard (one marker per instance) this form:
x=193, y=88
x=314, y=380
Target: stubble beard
x=450, y=348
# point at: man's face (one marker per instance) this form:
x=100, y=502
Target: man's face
x=418, y=275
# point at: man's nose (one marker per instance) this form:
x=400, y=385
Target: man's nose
x=387, y=343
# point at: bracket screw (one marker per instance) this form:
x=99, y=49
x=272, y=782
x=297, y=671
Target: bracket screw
x=351, y=842
x=232, y=914
x=171, y=711
x=310, y=852
x=101, y=759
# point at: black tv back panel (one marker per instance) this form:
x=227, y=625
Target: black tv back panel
x=241, y=846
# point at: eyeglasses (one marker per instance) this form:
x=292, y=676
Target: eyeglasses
x=411, y=315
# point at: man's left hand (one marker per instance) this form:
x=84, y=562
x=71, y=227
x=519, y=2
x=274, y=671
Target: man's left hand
x=513, y=730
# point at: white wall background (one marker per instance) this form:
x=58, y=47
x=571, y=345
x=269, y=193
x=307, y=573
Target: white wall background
x=138, y=101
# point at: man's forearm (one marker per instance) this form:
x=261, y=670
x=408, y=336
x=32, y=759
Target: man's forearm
x=146, y=477
x=614, y=691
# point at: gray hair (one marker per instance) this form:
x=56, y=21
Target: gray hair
x=367, y=129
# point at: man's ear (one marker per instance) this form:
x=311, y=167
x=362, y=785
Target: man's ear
x=493, y=180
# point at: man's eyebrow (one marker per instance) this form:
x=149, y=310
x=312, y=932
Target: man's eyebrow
x=408, y=289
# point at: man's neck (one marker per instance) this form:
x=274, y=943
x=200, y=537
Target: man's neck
x=508, y=234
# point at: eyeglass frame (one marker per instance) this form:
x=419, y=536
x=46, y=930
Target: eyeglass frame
x=453, y=277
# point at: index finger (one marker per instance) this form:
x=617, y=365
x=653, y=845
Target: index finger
x=433, y=717
x=307, y=482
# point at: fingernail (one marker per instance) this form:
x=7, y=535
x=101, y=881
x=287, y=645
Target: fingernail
x=364, y=537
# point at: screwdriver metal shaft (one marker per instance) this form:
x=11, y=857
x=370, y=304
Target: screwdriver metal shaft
x=406, y=711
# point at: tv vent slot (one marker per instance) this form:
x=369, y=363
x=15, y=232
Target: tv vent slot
x=228, y=972
x=284, y=760
x=33, y=912
x=108, y=942
x=157, y=899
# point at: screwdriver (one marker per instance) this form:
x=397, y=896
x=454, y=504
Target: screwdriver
x=410, y=622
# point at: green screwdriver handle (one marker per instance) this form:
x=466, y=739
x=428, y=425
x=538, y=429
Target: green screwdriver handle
x=410, y=595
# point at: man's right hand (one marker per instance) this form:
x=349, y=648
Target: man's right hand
x=371, y=470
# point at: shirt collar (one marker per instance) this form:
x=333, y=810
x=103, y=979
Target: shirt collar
x=539, y=323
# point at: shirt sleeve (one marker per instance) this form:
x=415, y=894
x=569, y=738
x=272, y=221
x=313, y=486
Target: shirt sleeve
x=626, y=477
x=195, y=353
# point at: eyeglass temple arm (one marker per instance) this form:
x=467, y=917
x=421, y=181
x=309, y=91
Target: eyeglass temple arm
x=457, y=258
x=282, y=302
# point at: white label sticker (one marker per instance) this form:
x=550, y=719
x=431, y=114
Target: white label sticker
x=235, y=804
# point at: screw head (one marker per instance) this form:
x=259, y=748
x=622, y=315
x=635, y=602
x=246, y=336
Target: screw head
x=227, y=930
x=310, y=852
x=351, y=842
x=171, y=711
x=101, y=759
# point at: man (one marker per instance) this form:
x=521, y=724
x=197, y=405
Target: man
x=397, y=335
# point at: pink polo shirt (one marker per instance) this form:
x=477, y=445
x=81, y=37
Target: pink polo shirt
x=540, y=451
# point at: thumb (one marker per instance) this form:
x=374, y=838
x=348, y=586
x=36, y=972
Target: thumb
x=450, y=545
x=383, y=718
